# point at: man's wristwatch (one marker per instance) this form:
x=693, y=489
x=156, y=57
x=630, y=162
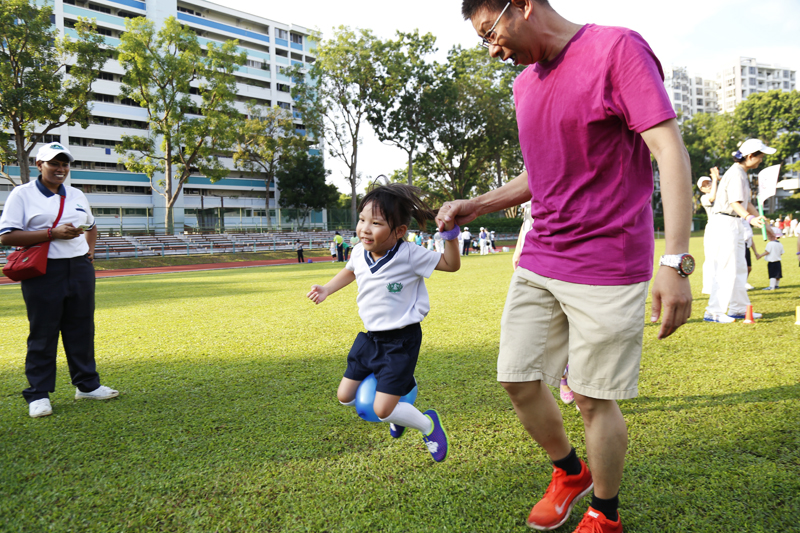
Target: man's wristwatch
x=683, y=263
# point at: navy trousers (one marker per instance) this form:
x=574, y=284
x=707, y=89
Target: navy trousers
x=60, y=302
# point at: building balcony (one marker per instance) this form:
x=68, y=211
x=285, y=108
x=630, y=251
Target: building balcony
x=235, y=32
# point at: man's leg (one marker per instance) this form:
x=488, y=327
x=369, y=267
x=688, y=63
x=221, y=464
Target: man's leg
x=606, y=443
x=540, y=416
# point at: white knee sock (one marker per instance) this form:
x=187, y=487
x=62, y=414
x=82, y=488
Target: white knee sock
x=773, y=283
x=351, y=403
x=407, y=415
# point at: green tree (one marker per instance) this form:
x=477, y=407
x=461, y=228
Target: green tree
x=398, y=102
x=301, y=180
x=471, y=126
x=187, y=131
x=710, y=141
x=8, y=157
x=773, y=117
x=36, y=93
x=266, y=136
x=334, y=102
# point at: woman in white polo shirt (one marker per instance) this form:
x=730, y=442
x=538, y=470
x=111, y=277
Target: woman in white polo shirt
x=62, y=300
x=728, y=299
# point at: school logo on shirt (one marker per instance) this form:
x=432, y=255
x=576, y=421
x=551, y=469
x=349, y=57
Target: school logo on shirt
x=394, y=287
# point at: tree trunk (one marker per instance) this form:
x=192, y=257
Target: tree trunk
x=499, y=171
x=22, y=156
x=411, y=167
x=169, y=221
x=353, y=200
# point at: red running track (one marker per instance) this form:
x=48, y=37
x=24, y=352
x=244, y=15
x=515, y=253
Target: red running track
x=186, y=268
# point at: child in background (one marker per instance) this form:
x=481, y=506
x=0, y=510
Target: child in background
x=773, y=253
x=392, y=301
x=333, y=251
x=298, y=247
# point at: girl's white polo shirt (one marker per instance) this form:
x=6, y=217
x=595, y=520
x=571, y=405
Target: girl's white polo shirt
x=391, y=291
x=34, y=207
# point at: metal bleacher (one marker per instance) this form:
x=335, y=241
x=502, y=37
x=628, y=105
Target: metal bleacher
x=110, y=247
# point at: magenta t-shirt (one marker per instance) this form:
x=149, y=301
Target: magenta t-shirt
x=580, y=117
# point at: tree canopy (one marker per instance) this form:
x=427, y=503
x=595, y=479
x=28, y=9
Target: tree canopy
x=45, y=80
x=187, y=131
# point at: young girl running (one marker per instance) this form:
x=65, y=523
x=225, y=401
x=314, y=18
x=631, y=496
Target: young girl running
x=392, y=301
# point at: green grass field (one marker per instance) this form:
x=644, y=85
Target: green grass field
x=227, y=418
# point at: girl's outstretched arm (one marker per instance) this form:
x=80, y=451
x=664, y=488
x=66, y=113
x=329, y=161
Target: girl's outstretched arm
x=451, y=258
x=318, y=293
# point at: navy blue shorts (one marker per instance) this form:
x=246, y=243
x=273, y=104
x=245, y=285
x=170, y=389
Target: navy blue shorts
x=390, y=355
x=774, y=269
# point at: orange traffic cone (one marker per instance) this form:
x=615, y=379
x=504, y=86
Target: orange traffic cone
x=748, y=317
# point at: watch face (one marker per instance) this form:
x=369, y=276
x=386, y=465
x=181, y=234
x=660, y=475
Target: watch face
x=687, y=264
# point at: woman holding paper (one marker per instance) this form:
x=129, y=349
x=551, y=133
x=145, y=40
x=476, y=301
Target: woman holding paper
x=61, y=301
x=728, y=300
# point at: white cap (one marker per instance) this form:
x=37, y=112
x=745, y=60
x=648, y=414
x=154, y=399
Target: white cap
x=482, y=228
x=466, y=227
x=703, y=180
x=751, y=146
x=778, y=233
x=49, y=151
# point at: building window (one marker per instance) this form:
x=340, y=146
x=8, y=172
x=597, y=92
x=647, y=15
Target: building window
x=752, y=81
x=283, y=88
x=700, y=101
x=297, y=39
x=752, y=70
x=281, y=34
x=105, y=212
x=134, y=212
x=785, y=73
x=786, y=85
x=285, y=105
x=252, y=63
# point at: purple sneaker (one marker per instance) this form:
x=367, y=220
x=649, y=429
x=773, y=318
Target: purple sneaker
x=436, y=440
x=396, y=430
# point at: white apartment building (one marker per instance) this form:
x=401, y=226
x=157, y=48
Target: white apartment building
x=747, y=76
x=690, y=94
x=124, y=200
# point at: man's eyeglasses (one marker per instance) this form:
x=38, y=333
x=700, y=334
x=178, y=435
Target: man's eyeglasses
x=489, y=37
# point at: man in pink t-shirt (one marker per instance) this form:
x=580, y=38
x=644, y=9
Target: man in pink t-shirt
x=591, y=108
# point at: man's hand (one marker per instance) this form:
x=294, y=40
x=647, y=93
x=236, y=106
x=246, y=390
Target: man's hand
x=456, y=212
x=674, y=293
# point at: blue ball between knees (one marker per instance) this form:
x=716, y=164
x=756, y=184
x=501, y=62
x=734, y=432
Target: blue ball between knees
x=365, y=398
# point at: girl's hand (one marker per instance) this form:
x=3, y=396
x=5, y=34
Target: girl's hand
x=317, y=294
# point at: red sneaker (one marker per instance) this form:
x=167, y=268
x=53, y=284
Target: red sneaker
x=596, y=522
x=561, y=496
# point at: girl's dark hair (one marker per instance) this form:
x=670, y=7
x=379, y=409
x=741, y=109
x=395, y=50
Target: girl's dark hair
x=398, y=203
x=739, y=158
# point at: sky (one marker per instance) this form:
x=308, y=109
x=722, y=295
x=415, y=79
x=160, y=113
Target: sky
x=703, y=35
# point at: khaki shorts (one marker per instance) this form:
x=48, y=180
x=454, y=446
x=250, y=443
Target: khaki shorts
x=597, y=329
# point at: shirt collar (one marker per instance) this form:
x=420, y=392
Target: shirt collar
x=62, y=191
x=374, y=266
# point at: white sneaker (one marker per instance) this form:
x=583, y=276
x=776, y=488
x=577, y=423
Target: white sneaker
x=100, y=393
x=722, y=319
x=749, y=287
x=40, y=408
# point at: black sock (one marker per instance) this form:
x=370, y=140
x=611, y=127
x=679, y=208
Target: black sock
x=607, y=507
x=570, y=464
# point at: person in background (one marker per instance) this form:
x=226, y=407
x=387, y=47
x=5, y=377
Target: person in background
x=708, y=186
x=773, y=253
x=466, y=238
x=60, y=302
x=728, y=299
x=298, y=247
x=339, y=240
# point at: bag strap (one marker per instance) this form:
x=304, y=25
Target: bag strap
x=60, y=210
